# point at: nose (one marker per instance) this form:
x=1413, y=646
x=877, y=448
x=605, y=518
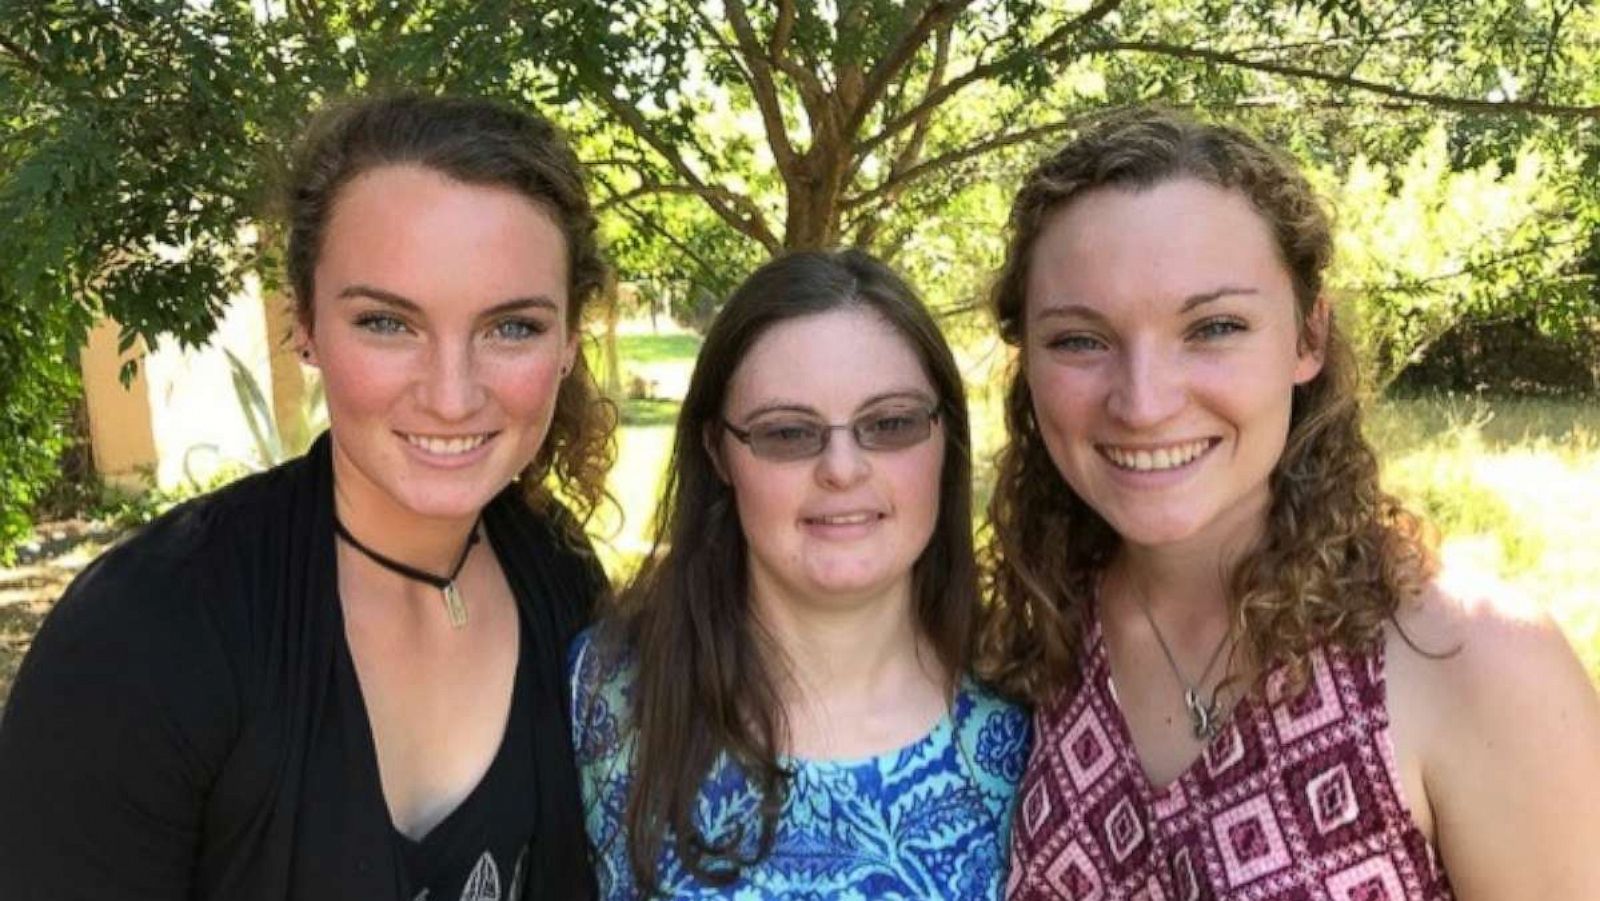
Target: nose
x=449, y=387
x=842, y=462
x=1149, y=389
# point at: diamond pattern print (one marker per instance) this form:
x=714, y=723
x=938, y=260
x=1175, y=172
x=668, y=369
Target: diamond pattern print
x=1333, y=799
x=1290, y=801
x=1374, y=879
x=1250, y=841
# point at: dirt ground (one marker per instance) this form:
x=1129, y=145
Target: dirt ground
x=31, y=587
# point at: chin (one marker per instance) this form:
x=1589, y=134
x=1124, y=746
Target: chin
x=1146, y=533
x=856, y=585
x=452, y=505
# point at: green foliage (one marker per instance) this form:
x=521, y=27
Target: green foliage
x=140, y=141
x=1425, y=246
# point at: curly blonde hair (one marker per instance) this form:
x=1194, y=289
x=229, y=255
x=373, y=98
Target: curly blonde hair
x=1339, y=554
x=478, y=142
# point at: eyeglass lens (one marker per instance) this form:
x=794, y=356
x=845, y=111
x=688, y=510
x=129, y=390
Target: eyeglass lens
x=795, y=438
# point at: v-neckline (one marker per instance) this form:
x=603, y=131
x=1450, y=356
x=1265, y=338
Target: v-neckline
x=1241, y=711
x=369, y=741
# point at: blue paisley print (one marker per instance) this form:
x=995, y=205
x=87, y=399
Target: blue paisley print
x=929, y=821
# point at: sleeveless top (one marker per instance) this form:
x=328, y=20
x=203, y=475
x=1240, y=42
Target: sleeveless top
x=928, y=821
x=1297, y=797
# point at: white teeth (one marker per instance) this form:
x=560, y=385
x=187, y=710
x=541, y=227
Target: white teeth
x=446, y=446
x=1152, y=461
x=849, y=519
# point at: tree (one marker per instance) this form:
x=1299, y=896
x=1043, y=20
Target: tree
x=141, y=139
x=844, y=115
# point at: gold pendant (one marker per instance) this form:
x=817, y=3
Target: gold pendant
x=455, y=606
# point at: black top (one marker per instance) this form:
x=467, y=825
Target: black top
x=177, y=730
x=479, y=852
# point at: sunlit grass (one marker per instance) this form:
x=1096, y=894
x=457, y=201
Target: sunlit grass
x=1513, y=486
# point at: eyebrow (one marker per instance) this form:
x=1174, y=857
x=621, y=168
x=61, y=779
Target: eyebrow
x=1068, y=310
x=792, y=407
x=396, y=300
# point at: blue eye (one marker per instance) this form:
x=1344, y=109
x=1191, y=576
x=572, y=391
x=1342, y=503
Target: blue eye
x=381, y=324
x=1074, y=342
x=517, y=329
x=1217, y=328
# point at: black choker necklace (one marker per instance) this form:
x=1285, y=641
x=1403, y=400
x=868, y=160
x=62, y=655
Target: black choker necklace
x=454, y=606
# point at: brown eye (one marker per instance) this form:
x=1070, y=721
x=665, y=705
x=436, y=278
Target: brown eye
x=893, y=429
x=787, y=439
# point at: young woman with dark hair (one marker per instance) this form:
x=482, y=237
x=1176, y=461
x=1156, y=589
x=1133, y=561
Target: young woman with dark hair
x=1250, y=682
x=782, y=707
x=343, y=678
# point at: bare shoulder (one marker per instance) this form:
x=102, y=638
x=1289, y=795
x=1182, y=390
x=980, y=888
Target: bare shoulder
x=1505, y=725
x=1481, y=642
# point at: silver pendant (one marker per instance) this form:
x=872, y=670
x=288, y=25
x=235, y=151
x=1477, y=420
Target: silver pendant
x=1204, y=718
x=454, y=606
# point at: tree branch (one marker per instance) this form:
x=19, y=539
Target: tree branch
x=1442, y=101
x=645, y=221
x=750, y=224
x=762, y=86
x=24, y=59
x=911, y=151
x=1557, y=20
x=653, y=189
x=1047, y=49
x=899, y=183
x=813, y=93
x=782, y=29
x=1467, y=270
x=934, y=17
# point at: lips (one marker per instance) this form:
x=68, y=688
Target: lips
x=447, y=445
x=1156, y=459
x=853, y=518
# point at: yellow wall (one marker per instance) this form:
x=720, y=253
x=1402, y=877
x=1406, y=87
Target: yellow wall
x=119, y=417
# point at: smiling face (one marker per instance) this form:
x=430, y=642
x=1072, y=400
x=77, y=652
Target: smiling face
x=848, y=524
x=1162, y=348
x=438, y=323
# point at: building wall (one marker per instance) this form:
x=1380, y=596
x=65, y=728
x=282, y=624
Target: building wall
x=181, y=420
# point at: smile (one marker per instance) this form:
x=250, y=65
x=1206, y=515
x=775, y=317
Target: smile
x=1157, y=459
x=844, y=519
x=444, y=446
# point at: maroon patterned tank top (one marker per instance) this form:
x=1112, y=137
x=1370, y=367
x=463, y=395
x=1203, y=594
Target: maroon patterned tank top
x=1295, y=798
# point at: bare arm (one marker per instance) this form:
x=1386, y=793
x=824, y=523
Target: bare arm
x=1510, y=751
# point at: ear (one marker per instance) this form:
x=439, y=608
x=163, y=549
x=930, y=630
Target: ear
x=710, y=440
x=305, y=347
x=569, y=353
x=1313, y=342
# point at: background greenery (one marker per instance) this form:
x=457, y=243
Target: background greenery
x=141, y=142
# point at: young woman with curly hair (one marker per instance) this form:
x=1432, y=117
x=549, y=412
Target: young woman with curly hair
x=343, y=678
x=1249, y=679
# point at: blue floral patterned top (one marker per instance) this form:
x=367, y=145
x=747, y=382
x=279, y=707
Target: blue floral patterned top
x=930, y=820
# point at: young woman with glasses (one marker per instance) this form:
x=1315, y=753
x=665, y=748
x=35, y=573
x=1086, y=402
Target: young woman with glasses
x=782, y=705
x=1250, y=682
x=344, y=678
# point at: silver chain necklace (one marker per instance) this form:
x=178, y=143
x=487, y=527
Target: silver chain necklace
x=1205, y=715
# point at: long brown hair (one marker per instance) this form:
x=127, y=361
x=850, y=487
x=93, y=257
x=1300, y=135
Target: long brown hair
x=706, y=680
x=1339, y=555
x=476, y=142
